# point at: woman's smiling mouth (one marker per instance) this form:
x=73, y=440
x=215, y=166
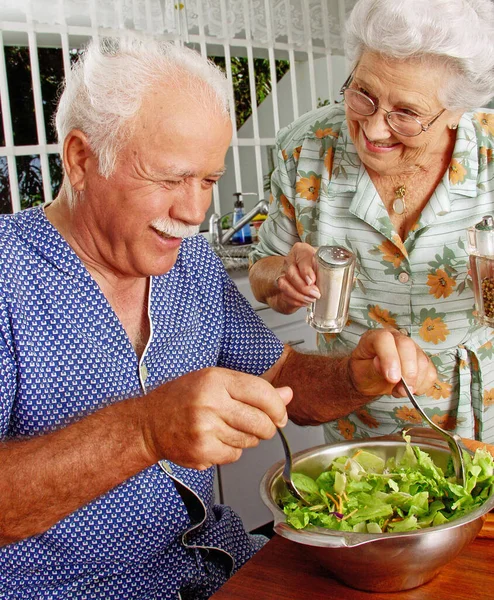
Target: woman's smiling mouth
x=379, y=146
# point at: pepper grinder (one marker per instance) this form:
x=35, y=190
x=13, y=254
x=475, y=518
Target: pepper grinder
x=334, y=267
x=481, y=251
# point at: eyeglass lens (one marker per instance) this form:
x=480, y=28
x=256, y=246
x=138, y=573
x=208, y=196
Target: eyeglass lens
x=399, y=122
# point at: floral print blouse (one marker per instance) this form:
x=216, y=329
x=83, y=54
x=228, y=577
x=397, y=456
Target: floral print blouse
x=323, y=195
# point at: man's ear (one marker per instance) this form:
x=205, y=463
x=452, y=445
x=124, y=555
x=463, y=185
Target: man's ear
x=76, y=152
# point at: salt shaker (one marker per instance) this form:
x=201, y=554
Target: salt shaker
x=334, y=268
x=481, y=251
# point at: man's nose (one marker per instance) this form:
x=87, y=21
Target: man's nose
x=191, y=205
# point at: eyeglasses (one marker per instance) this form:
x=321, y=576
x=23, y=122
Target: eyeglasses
x=399, y=122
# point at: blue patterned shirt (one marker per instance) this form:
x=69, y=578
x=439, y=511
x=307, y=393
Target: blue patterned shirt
x=64, y=353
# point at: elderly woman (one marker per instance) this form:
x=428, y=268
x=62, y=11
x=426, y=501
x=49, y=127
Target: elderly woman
x=396, y=173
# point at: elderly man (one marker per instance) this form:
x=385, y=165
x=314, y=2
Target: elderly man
x=131, y=364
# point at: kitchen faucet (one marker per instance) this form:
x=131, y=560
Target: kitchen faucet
x=219, y=238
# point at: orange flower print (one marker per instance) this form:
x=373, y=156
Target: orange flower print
x=329, y=337
x=439, y=389
x=489, y=397
x=322, y=133
x=474, y=363
x=434, y=330
x=300, y=230
x=284, y=155
x=381, y=315
x=441, y=284
x=457, y=172
x=288, y=209
x=271, y=198
x=308, y=187
x=296, y=152
x=347, y=428
x=328, y=160
x=486, y=121
x=396, y=240
x=407, y=414
x=367, y=419
x=488, y=153
x=445, y=421
x=391, y=253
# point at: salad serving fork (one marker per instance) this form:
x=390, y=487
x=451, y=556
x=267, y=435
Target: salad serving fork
x=453, y=440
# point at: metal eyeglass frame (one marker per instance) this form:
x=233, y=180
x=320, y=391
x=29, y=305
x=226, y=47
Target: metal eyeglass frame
x=346, y=86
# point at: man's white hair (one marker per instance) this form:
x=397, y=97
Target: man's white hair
x=106, y=87
x=459, y=33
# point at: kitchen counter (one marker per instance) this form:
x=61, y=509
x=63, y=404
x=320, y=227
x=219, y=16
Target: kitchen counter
x=283, y=569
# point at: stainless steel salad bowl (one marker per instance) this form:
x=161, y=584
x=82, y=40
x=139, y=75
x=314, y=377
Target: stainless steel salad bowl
x=382, y=562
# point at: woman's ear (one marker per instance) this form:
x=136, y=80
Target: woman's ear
x=76, y=152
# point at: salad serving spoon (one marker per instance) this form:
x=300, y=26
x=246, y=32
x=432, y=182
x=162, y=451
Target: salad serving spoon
x=287, y=469
x=453, y=440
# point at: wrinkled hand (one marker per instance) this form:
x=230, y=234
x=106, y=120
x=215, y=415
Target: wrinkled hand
x=209, y=416
x=382, y=357
x=297, y=278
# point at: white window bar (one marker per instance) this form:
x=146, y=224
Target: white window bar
x=119, y=12
x=327, y=46
x=291, y=59
x=228, y=63
x=253, y=100
x=65, y=53
x=204, y=52
x=272, y=66
x=7, y=131
x=149, y=17
x=310, y=54
x=39, y=115
x=342, y=18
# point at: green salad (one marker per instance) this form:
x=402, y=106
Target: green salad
x=365, y=494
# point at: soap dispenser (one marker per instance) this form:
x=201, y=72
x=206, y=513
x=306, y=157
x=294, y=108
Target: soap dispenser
x=242, y=236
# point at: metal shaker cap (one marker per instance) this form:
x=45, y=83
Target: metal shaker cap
x=483, y=237
x=335, y=256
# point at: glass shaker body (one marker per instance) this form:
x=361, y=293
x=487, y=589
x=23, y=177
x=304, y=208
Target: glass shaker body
x=334, y=267
x=481, y=251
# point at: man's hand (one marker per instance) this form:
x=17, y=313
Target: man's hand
x=326, y=388
x=474, y=444
x=382, y=358
x=208, y=417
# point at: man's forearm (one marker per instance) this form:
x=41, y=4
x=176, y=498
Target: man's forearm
x=46, y=478
x=322, y=388
x=262, y=279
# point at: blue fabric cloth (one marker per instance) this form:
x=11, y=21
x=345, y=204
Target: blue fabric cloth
x=64, y=353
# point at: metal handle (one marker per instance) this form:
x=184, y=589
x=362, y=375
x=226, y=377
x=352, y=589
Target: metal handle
x=453, y=440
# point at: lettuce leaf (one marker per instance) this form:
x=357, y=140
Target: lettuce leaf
x=364, y=493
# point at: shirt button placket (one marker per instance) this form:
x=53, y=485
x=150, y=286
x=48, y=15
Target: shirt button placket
x=143, y=371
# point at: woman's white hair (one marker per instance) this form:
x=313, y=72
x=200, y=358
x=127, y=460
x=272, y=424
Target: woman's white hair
x=107, y=85
x=460, y=33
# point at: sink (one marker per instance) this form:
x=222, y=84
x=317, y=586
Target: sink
x=234, y=258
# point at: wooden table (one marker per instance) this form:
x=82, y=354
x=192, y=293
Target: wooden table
x=282, y=570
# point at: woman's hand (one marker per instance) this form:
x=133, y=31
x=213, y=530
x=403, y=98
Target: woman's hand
x=296, y=280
